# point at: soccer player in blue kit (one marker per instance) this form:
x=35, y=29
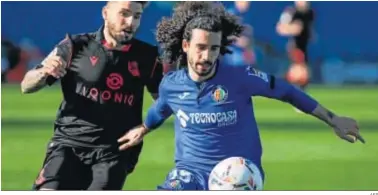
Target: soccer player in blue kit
x=212, y=103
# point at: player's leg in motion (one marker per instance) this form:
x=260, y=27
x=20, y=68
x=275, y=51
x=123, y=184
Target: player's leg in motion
x=111, y=168
x=183, y=179
x=62, y=170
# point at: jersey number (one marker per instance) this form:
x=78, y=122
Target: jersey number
x=182, y=175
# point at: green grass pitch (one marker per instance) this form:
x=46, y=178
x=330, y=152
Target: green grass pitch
x=300, y=152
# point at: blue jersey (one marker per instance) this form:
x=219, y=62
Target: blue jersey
x=214, y=119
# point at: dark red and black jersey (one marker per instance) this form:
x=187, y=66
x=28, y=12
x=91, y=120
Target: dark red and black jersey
x=306, y=18
x=103, y=88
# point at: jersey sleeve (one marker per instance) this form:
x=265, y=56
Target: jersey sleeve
x=259, y=83
x=160, y=110
x=155, y=74
x=64, y=50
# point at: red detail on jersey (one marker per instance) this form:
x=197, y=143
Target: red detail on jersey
x=153, y=69
x=133, y=69
x=124, y=48
x=108, y=96
x=41, y=178
x=94, y=60
x=114, y=81
x=105, y=44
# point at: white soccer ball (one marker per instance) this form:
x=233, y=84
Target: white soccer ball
x=235, y=173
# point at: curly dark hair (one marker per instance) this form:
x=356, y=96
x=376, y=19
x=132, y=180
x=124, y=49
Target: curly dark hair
x=189, y=15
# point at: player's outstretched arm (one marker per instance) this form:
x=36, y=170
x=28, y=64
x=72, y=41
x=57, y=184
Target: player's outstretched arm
x=156, y=115
x=36, y=78
x=52, y=68
x=346, y=128
x=258, y=83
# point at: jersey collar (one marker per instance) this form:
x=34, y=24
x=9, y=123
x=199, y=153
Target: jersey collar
x=101, y=39
x=205, y=82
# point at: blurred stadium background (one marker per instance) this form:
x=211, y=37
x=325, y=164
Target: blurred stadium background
x=300, y=153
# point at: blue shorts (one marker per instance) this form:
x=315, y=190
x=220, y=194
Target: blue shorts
x=186, y=179
x=183, y=179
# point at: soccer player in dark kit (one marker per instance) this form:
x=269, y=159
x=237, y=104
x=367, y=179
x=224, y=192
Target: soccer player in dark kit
x=102, y=75
x=297, y=23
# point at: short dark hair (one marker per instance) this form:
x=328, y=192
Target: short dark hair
x=189, y=15
x=144, y=3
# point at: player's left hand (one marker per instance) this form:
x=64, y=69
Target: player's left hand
x=347, y=129
x=132, y=137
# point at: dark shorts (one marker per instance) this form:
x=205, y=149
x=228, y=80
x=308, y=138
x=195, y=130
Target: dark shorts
x=71, y=168
x=297, y=52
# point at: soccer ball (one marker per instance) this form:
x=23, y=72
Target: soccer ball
x=298, y=74
x=235, y=173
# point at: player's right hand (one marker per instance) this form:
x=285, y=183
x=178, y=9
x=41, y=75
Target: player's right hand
x=132, y=137
x=54, y=65
x=346, y=128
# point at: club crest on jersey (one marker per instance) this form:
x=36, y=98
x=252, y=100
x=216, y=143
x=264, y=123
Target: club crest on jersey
x=134, y=68
x=220, y=94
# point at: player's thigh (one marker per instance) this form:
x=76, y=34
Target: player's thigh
x=110, y=172
x=61, y=170
x=181, y=179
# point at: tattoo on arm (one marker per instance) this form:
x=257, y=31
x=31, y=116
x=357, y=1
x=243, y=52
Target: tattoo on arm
x=323, y=114
x=33, y=81
x=330, y=114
